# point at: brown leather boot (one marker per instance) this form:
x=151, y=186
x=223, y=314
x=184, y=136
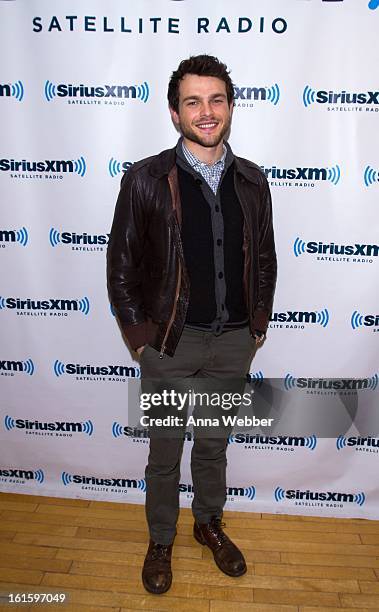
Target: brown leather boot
x=227, y=556
x=156, y=572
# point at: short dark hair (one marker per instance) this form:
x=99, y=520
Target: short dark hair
x=202, y=65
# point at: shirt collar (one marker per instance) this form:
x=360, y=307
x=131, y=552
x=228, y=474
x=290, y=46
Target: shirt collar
x=227, y=160
x=195, y=161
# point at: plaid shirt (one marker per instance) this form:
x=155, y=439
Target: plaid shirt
x=211, y=173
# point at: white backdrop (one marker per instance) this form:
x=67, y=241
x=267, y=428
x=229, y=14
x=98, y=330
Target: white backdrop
x=307, y=111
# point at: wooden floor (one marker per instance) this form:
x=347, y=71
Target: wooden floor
x=93, y=551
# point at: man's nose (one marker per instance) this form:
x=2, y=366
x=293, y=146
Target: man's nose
x=206, y=108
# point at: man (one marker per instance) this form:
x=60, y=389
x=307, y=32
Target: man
x=192, y=271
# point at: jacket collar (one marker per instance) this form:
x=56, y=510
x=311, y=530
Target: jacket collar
x=164, y=161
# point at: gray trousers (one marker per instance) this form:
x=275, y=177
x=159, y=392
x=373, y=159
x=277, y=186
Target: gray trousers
x=205, y=355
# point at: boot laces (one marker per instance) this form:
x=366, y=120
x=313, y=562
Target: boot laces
x=159, y=552
x=216, y=526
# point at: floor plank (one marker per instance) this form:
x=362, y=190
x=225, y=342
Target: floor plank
x=318, y=571
x=94, y=551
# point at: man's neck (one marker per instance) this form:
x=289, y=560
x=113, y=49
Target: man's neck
x=208, y=155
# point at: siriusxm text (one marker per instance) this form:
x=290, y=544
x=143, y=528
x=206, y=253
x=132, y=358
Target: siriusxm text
x=298, y=173
x=49, y=304
x=134, y=432
x=8, y=236
x=241, y=438
x=345, y=97
x=110, y=370
x=361, y=441
x=11, y=366
x=294, y=316
x=46, y=426
x=366, y=250
x=371, y=320
x=74, y=238
x=87, y=91
x=343, y=383
x=13, y=473
x=5, y=90
x=188, y=488
x=320, y=495
x=108, y=482
x=48, y=165
x=250, y=93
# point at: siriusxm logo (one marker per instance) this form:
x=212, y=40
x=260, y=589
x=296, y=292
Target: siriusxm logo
x=358, y=251
x=10, y=367
x=48, y=166
x=256, y=378
x=113, y=482
x=139, y=435
x=21, y=236
x=78, y=242
x=323, y=496
x=279, y=442
x=69, y=427
x=369, y=320
x=294, y=318
x=358, y=443
x=248, y=492
x=22, y=474
x=52, y=306
x=370, y=176
x=115, y=167
x=118, y=371
x=341, y=98
x=331, y=174
x=67, y=90
x=131, y=432
x=12, y=90
x=264, y=94
x=330, y=384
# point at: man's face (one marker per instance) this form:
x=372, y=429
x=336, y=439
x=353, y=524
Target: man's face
x=204, y=115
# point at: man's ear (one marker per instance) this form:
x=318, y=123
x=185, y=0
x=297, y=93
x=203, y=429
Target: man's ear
x=174, y=115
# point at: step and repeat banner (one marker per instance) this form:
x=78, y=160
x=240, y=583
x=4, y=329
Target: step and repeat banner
x=83, y=96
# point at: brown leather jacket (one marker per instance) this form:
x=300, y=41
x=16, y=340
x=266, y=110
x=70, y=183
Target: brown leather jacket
x=147, y=279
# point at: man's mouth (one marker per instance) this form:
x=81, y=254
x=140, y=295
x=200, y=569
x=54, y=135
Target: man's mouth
x=207, y=125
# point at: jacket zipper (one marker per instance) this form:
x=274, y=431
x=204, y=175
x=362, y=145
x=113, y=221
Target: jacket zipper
x=173, y=314
x=246, y=225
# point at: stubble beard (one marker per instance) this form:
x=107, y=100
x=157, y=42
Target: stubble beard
x=207, y=142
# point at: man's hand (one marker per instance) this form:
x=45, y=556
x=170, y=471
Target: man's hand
x=259, y=337
x=140, y=349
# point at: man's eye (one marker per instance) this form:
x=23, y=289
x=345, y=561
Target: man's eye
x=192, y=103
